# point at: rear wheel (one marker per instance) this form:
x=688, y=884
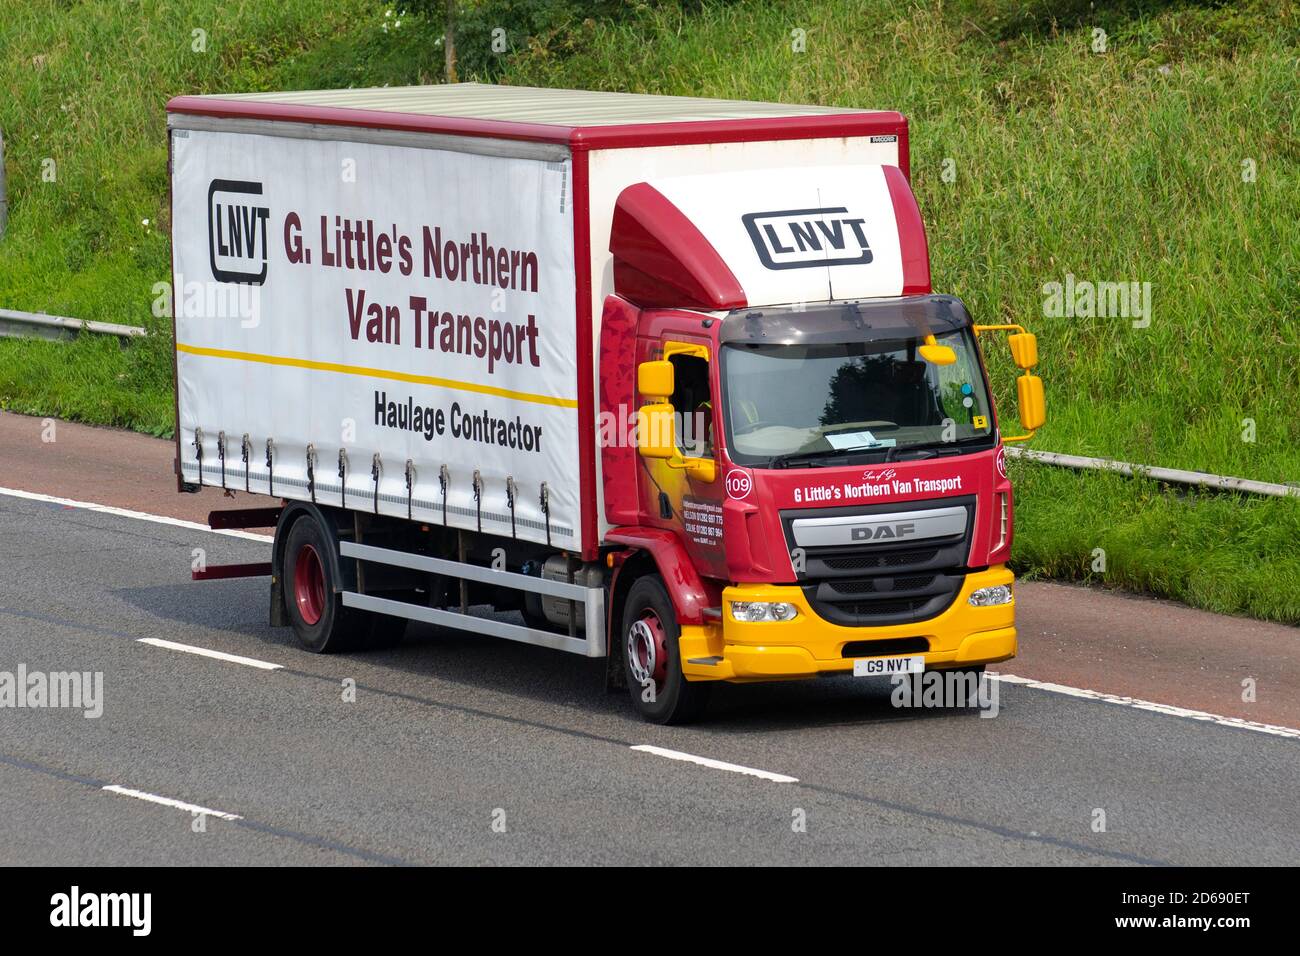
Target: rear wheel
x=652, y=658
x=316, y=612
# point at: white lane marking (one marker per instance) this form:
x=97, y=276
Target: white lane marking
x=204, y=652
x=169, y=802
x=1168, y=710
x=715, y=764
x=1079, y=692
x=139, y=515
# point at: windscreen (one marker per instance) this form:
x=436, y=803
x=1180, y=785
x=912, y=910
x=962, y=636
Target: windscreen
x=851, y=381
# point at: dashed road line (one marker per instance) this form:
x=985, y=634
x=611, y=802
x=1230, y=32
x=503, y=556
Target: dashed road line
x=215, y=655
x=169, y=802
x=255, y=826
x=715, y=764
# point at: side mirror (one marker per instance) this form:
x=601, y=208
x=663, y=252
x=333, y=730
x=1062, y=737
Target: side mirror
x=655, y=429
x=1024, y=349
x=937, y=354
x=655, y=379
x=1033, y=403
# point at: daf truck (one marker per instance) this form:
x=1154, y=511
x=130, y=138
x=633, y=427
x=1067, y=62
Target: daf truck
x=664, y=377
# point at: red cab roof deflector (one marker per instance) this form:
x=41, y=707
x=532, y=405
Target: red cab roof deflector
x=662, y=260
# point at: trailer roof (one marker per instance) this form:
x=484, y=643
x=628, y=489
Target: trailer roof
x=581, y=118
x=526, y=104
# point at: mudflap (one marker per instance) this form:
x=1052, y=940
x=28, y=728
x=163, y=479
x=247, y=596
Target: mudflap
x=615, y=676
x=279, y=614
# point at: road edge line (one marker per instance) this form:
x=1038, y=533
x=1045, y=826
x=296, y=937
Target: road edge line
x=127, y=513
x=1137, y=703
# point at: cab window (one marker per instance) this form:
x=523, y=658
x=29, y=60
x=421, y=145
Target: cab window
x=693, y=406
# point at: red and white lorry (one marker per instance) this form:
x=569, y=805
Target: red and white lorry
x=664, y=374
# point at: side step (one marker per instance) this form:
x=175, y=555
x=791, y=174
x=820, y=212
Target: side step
x=591, y=599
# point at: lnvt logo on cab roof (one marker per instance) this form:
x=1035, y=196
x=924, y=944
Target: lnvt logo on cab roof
x=803, y=238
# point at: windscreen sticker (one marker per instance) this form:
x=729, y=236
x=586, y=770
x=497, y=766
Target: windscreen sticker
x=847, y=440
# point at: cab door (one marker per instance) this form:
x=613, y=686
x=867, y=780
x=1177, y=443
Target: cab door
x=684, y=492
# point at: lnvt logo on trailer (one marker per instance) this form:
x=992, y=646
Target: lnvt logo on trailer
x=803, y=238
x=237, y=239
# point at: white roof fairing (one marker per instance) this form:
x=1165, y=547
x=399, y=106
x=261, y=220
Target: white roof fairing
x=522, y=104
x=798, y=234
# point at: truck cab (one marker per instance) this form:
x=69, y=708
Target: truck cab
x=831, y=469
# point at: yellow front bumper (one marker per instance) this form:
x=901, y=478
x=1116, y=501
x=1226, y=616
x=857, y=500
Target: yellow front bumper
x=810, y=645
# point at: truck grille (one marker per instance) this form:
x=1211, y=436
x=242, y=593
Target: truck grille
x=870, y=562
x=883, y=599
x=876, y=584
x=873, y=586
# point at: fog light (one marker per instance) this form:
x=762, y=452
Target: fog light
x=754, y=612
x=987, y=597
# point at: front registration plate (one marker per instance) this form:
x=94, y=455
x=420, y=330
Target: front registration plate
x=878, y=666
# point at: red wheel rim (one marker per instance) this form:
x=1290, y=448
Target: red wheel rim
x=309, y=584
x=647, y=650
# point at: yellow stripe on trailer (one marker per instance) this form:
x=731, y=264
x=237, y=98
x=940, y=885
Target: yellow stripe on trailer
x=376, y=373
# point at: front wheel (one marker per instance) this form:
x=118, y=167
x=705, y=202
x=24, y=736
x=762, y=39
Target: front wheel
x=652, y=658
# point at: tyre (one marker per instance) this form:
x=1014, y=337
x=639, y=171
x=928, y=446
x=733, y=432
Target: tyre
x=651, y=654
x=316, y=612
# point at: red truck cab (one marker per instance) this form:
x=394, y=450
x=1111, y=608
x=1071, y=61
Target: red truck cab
x=825, y=480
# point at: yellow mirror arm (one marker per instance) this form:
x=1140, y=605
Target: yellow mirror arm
x=998, y=328
x=1025, y=437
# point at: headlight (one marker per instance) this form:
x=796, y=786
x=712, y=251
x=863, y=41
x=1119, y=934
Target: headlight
x=752, y=612
x=987, y=597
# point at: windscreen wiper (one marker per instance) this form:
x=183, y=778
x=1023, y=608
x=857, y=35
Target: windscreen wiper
x=933, y=447
x=817, y=459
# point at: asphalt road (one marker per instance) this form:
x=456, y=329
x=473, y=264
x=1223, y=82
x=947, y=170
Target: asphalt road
x=462, y=749
x=1081, y=637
